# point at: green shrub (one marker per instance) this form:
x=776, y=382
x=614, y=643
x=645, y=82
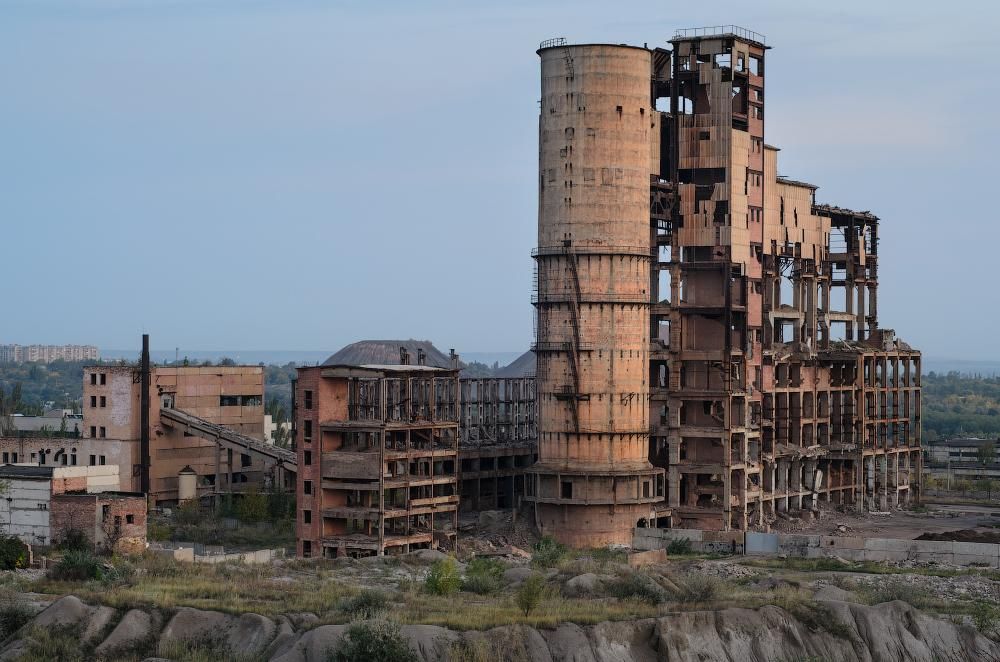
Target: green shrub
x=75, y=540
x=483, y=576
x=986, y=617
x=635, y=586
x=121, y=572
x=443, y=578
x=530, y=593
x=252, y=507
x=77, y=566
x=372, y=641
x=13, y=553
x=679, y=547
x=157, y=531
x=366, y=604
x=548, y=552
x=189, y=513
x=697, y=588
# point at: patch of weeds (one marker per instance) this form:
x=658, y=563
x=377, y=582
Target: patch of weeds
x=636, y=586
x=888, y=591
x=206, y=649
x=372, y=641
x=679, y=547
x=490, y=647
x=697, y=588
x=77, y=565
x=365, y=605
x=443, y=578
x=548, y=552
x=986, y=618
x=14, y=614
x=54, y=643
x=483, y=576
x=815, y=616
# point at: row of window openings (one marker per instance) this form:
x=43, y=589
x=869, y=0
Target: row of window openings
x=106, y=513
x=240, y=401
x=67, y=460
x=94, y=400
x=724, y=60
x=98, y=378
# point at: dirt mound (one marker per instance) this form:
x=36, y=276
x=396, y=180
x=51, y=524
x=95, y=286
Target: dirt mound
x=965, y=535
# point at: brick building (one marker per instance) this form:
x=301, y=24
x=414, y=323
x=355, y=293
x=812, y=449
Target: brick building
x=208, y=418
x=377, y=451
x=108, y=519
x=33, y=509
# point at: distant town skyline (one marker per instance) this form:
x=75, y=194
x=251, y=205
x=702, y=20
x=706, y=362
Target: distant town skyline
x=306, y=174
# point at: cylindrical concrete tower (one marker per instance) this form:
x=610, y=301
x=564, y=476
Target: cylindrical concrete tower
x=598, y=144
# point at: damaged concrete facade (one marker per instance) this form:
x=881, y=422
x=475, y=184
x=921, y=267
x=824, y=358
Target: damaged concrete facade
x=497, y=441
x=377, y=459
x=770, y=385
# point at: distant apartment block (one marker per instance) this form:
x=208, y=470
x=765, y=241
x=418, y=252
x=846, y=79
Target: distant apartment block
x=47, y=353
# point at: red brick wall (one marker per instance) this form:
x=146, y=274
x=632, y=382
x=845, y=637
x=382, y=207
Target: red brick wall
x=86, y=512
x=309, y=380
x=72, y=484
x=71, y=512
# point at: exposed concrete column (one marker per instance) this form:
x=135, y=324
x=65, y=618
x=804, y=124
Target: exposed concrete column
x=860, y=289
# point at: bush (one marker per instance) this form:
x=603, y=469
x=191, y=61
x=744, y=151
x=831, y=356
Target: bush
x=443, y=578
x=75, y=540
x=77, y=566
x=697, y=588
x=366, y=604
x=253, y=507
x=986, y=617
x=636, y=586
x=157, y=531
x=374, y=641
x=530, y=593
x=483, y=576
x=188, y=513
x=13, y=553
x=548, y=552
x=679, y=547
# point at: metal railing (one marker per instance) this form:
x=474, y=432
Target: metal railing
x=711, y=30
x=592, y=249
x=549, y=43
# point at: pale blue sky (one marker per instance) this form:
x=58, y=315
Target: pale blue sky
x=293, y=174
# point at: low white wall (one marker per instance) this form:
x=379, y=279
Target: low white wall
x=807, y=546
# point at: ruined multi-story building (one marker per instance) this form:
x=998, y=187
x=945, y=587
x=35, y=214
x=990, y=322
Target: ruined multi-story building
x=377, y=450
x=699, y=311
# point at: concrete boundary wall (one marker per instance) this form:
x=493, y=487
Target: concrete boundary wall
x=809, y=546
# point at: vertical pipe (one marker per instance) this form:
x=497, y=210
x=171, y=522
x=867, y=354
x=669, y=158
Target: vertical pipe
x=144, y=417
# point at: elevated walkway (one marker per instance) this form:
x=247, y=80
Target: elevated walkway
x=228, y=438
